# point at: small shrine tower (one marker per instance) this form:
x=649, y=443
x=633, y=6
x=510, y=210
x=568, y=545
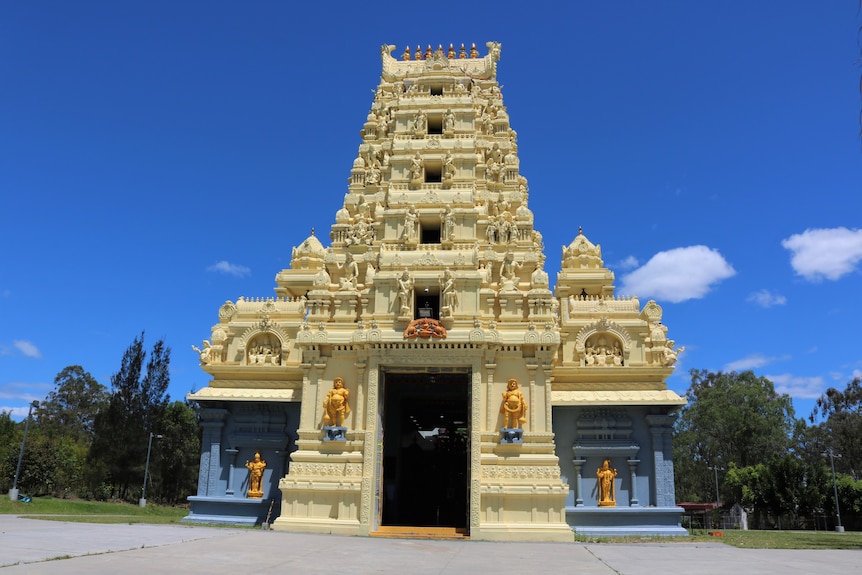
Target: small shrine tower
x=418, y=374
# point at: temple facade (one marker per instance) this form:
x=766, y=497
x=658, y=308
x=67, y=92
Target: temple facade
x=418, y=374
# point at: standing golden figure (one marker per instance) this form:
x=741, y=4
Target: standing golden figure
x=335, y=406
x=255, y=477
x=514, y=408
x=606, y=475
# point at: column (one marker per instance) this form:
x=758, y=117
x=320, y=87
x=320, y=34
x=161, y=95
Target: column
x=633, y=465
x=661, y=429
x=579, y=464
x=212, y=422
x=231, y=453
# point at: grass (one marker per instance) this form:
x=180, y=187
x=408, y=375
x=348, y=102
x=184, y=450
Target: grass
x=753, y=539
x=91, y=511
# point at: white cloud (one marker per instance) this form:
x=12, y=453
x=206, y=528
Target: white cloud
x=765, y=298
x=753, y=361
x=798, y=387
x=679, y=274
x=630, y=262
x=226, y=267
x=825, y=253
x=27, y=348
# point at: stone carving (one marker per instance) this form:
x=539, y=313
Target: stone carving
x=448, y=221
x=449, y=120
x=605, y=476
x=600, y=351
x=448, y=168
x=204, y=354
x=449, y=295
x=349, y=282
x=405, y=293
x=411, y=221
x=417, y=169
x=419, y=125
x=514, y=407
x=539, y=278
x=255, y=476
x=264, y=350
x=508, y=269
x=425, y=328
x=335, y=405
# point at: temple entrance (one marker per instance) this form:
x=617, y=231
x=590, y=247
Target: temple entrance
x=426, y=472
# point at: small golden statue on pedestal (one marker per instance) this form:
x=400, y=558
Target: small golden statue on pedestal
x=335, y=410
x=255, y=478
x=514, y=408
x=606, y=475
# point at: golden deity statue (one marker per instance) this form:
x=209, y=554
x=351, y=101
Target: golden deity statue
x=606, y=475
x=335, y=406
x=255, y=478
x=514, y=408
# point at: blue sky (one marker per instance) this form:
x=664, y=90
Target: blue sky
x=158, y=158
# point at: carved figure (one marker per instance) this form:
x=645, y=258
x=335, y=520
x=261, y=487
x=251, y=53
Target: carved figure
x=508, y=268
x=448, y=167
x=448, y=224
x=405, y=293
x=539, y=279
x=255, y=477
x=605, y=479
x=204, y=353
x=449, y=119
x=417, y=168
x=420, y=121
x=335, y=406
x=410, y=221
x=351, y=273
x=514, y=408
x=447, y=288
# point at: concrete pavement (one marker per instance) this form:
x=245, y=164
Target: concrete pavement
x=37, y=546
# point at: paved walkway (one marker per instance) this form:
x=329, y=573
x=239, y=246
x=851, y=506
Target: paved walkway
x=35, y=546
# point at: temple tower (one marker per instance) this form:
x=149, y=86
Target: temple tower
x=417, y=369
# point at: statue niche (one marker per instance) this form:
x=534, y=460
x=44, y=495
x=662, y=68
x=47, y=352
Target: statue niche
x=603, y=350
x=264, y=349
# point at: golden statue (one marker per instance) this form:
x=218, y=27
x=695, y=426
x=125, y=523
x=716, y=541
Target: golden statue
x=514, y=408
x=255, y=478
x=606, y=475
x=335, y=407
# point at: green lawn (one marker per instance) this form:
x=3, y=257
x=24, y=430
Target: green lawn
x=91, y=511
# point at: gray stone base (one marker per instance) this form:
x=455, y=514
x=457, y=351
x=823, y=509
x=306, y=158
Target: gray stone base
x=626, y=521
x=229, y=510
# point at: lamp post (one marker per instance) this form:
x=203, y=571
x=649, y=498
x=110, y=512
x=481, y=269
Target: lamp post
x=143, y=500
x=13, y=493
x=838, y=528
x=716, y=469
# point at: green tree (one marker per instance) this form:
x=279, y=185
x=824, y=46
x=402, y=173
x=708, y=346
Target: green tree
x=177, y=456
x=838, y=415
x=136, y=407
x=9, y=441
x=731, y=418
x=71, y=408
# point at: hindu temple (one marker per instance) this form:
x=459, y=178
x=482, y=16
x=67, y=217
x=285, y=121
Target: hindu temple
x=416, y=372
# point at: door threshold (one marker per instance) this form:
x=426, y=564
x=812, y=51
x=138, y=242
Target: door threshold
x=415, y=532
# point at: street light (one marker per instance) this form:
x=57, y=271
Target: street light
x=838, y=528
x=143, y=500
x=13, y=493
x=716, y=469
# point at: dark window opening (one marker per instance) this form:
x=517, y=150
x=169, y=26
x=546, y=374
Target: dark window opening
x=430, y=234
x=433, y=174
x=436, y=90
x=427, y=304
x=435, y=124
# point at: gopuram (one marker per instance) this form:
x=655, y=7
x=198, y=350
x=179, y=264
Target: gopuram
x=418, y=375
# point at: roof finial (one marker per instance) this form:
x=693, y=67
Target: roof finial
x=463, y=52
x=312, y=231
x=428, y=52
x=580, y=231
x=474, y=53
x=451, y=54
x=418, y=54
x=406, y=55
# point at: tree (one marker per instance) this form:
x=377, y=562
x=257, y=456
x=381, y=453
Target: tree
x=841, y=427
x=176, y=461
x=71, y=408
x=730, y=418
x=137, y=405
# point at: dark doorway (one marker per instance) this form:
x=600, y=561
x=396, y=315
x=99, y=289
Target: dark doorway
x=426, y=450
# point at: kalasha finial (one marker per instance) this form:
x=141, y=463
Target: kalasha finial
x=406, y=55
x=428, y=52
x=418, y=54
x=312, y=231
x=474, y=53
x=451, y=54
x=463, y=52
x=580, y=231
x=440, y=49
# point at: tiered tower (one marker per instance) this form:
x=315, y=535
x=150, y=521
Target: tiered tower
x=423, y=342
